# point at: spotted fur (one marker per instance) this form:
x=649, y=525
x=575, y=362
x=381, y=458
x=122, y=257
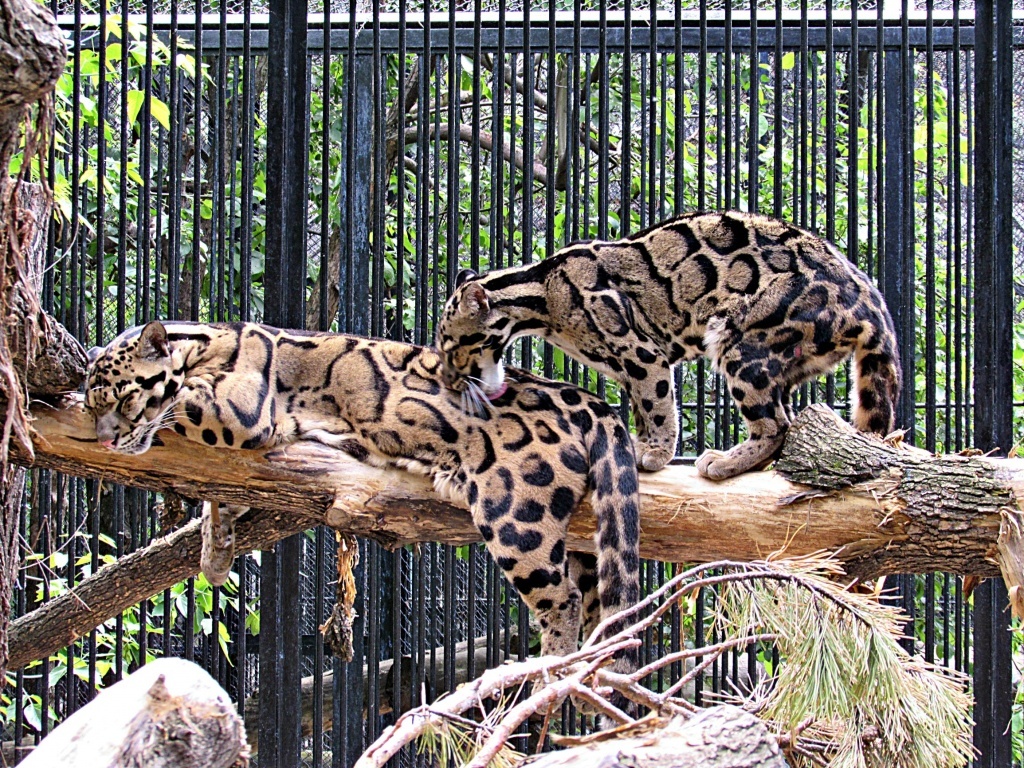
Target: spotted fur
x=522, y=463
x=771, y=305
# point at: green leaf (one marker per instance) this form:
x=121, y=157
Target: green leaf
x=788, y=60
x=135, y=100
x=160, y=112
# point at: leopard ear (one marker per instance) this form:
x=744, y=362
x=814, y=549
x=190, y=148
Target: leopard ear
x=474, y=301
x=153, y=343
x=463, y=276
x=93, y=354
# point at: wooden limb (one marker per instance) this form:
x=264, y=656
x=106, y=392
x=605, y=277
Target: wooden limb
x=135, y=577
x=12, y=489
x=540, y=171
x=888, y=518
x=168, y=714
x=900, y=510
x=720, y=737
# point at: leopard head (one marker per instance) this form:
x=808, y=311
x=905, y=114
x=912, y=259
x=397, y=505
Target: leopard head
x=471, y=337
x=132, y=387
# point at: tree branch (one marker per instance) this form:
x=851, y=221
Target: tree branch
x=897, y=511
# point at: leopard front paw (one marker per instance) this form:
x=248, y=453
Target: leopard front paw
x=651, y=458
x=718, y=465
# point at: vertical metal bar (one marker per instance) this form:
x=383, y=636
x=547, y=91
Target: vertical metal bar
x=399, y=329
x=603, y=128
x=754, y=117
x=380, y=182
x=625, y=151
x=101, y=175
x=725, y=111
x=124, y=141
x=454, y=143
x=145, y=312
x=197, y=164
x=284, y=305
x=221, y=222
x=248, y=123
x=897, y=259
x=931, y=318
x=993, y=351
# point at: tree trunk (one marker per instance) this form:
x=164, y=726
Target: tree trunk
x=720, y=737
x=168, y=714
x=32, y=57
x=881, y=509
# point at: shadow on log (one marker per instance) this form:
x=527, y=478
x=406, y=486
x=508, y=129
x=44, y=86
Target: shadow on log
x=881, y=508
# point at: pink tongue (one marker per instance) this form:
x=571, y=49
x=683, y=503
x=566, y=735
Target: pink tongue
x=500, y=391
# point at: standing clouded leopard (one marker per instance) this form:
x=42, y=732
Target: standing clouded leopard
x=771, y=305
x=522, y=461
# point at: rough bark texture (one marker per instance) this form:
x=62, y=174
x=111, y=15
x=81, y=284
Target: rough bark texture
x=12, y=488
x=32, y=57
x=720, y=737
x=897, y=522
x=935, y=507
x=49, y=359
x=870, y=524
x=168, y=714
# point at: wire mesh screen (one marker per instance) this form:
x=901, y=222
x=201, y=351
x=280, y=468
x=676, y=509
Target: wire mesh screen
x=481, y=135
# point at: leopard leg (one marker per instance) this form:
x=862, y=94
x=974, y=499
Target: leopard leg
x=218, y=531
x=759, y=396
x=657, y=419
x=527, y=542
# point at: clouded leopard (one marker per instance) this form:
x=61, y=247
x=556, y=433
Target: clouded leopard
x=771, y=305
x=522, y=461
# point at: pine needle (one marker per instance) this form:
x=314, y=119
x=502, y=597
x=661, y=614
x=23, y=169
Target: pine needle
x=843, y=670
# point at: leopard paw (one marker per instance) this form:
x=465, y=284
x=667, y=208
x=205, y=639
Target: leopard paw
x=651, y=458
x=718, y=465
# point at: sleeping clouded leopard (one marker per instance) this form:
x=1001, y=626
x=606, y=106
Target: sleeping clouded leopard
x=771, y=305
x=522, y=462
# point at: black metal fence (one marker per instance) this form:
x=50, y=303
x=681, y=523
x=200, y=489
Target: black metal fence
x=196, y=180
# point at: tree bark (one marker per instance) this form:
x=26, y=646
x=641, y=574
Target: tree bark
x=720, y=737
x=885, y=510
x=32, y=57
x=168, y=714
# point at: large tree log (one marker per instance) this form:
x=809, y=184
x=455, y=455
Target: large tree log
x=882, y=509
x=720, y=737
x=168, y=714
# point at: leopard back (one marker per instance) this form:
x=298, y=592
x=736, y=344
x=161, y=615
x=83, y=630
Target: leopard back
x=522, y=462
x=770, y=304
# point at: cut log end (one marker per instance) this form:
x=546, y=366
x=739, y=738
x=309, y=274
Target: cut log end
x=168, y=714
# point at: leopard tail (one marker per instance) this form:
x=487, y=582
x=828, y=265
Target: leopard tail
x=878, y=376
x=615, y=501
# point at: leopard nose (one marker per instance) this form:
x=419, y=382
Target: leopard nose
x=107, y=444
